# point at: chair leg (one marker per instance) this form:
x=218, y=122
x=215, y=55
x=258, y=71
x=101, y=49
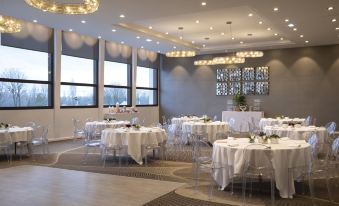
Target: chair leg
x=244, y=190
x=328, y=187
x=310, y=184
x=272, y=189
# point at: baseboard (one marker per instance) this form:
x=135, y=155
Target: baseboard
x=60, y=139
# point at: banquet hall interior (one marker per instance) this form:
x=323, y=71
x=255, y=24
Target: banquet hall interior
x=154, y=102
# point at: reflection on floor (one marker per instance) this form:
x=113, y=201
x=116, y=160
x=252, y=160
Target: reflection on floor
x=68, y=155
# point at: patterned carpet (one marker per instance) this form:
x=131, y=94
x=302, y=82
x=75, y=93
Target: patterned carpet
x=179, y=171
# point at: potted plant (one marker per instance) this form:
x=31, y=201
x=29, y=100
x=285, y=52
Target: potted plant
x=239, y=100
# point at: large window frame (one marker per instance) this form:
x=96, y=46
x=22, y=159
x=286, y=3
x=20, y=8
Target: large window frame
x=154, y=89
x=128, y=87
x=94, y=85
x=49, y=83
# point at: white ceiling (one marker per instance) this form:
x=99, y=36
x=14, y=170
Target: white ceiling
x=311, y=17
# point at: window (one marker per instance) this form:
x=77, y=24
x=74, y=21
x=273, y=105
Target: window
x=78, y=82
x=117, y=83
x=147, y=86
x=26, y=79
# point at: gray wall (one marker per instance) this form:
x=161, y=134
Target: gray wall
x=303, y=81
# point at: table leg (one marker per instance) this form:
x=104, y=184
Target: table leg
x=14, y=148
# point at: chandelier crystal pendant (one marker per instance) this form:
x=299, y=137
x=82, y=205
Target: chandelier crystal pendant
x=181, y=53
x=229, y=60
x=86, y=7
x=9, y=24
x=250, y=54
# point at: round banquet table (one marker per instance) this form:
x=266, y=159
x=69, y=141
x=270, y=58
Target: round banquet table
x=133, y=139
x=279, y=121
x=91, y=126
x=297, y=133
x=211, y=128
x=18, y=134
x=180, y=120
x=287, y=154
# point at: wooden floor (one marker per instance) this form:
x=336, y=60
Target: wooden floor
x=42, y=186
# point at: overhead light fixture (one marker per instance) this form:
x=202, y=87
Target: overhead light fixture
x=35, y=21
x=275, y=34
x=204, y=63
x=290, y=25
x=181, y=53
x=281, y=38
x=330, y=8
x=83, y=21
x=148, y=40
x=287, y=20
x=122, y=42
x=150, y=27
x=250, y=14
x=211, y=28
x=197, y=21
x=241, y=42
x=295, y=29
x=99, y=37
x=203, y=3
x=138, y=37
x=276, y=9
x=122, y=16
x=229, y=60
x=70, y=30
x=269, y=29
x=306, y=41
x=301, y=36
x=158, y=42
x=86, y=7
x=337, y=28
x=250, y=54
x=114, y=30
x=334, y=20
x=260, y=22
x=9, y=24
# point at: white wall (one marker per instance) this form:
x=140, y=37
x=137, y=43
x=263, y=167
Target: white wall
x=59, y=120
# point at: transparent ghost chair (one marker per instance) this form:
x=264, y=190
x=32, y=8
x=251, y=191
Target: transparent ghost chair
x=257, y=164
x=40, y=140
x=6, y=145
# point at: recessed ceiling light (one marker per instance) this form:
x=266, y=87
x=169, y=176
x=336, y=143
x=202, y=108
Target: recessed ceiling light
x=290, y=25
x=330, y=8
x=158, y=42
x=241, y=42
x=211, y=28
x=138, y=37
x=122, y=42
x=99, y=37
x=44, y=10
x=122, y=16
x=148, y=40
x=158, y=51
x=301, y=36
x=337, y=28
x=275, y=9
x=334, y=20
x=142, y=47
x=287, y=20
x=174, y=47
x=306, y=41
x=180, y=37
x=70, y=30
x=197, y=21
x=150, y=27
x=281, y=38
x=203, y=45
x=35, y=21
x=193, y=42
x=260, y=22
x=114, y=30
x=250, y=14
x=295, y=29
x=222, y=33
x=275, y=34
x=166, y=33
x=203, y=3
x=232, y=38
x=83, y=21
x=269, y=29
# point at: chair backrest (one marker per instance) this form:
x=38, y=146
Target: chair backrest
x=308, y=120
x=6, y=139
x=335, y=149
x=215, y=118
x=164, y=121
x=135, y=120
x=330, y=127
x=201, y=149
x=257, y=157
x=313, y=141
x=41, y=132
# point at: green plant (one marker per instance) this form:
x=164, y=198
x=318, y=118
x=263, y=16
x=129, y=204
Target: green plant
x=274, y=136
x=239, y=99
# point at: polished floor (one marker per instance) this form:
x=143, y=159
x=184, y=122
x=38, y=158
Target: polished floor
x=42, y=186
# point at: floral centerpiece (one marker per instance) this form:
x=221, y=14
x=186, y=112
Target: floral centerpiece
x=274, y=138
x=136, y=126
x=280, y=117
x=110, y=120
x=263, y=138
x=251, y=138
x=206, y=119
x=4, y=125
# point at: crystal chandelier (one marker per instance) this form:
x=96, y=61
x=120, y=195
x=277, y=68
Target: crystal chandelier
x=229, y=60
x=86, y=7
x=181, y=53
x=9, y=24
x=250, y=54
x=204, y=63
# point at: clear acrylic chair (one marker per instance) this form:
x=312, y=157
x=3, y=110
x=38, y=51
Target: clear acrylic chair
x=257, y=163
x=40, y=139
x=174, y=141
x=215, y=118
x=92, y=141
x=116, y=149
x=202, y=157
x=78, y=129
x=6, y=145
x=146, y=148
x=135, y=120
x=330, y=128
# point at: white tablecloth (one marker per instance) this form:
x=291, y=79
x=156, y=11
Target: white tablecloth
x=286, y=154
x=18, y=134
x=241, y=119
x=297, y=133
x=91, y=126
x=133, y=139
x=180, y=120
x=210, y=128
x=278, y=121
